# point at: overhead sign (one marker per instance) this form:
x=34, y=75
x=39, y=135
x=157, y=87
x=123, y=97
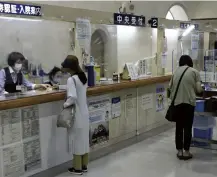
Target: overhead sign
x=129, y=20
x=154, y=22
x=20, y=9
x=186, y=25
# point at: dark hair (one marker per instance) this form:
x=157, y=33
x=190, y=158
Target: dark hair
x=71, y=62
x=52, y=73
x=13, y=57
x=185, y=60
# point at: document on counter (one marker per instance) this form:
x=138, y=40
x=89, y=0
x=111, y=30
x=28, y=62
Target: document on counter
x=129, y=105
x=147, y=101
x=10, y=126
x=13, y=161
x=30, y=121
x=32, y=154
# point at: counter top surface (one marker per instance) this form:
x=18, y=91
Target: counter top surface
x=16, y=100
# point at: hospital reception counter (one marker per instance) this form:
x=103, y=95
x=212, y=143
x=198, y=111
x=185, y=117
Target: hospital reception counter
x=120, y=113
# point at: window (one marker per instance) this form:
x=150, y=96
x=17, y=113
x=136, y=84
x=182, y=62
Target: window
x=177, y=12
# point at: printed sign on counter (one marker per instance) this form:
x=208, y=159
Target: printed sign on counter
x=116, y=107
x=129, y=20
x=20, y=9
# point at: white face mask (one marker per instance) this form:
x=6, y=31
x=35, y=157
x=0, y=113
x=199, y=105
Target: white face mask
x=18, y=67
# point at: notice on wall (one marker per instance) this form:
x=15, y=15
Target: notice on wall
x=10, y=122
x=32, y=154
x=99, y=109
x=30, y=121
x=160, y=98
x=116, y=107
x=13, y=161
x=147, y=101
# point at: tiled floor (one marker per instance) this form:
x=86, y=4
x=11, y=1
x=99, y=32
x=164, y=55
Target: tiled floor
x=155, y=157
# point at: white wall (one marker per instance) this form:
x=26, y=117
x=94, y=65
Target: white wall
x=205, y=9
x=147, y=8
x=133, y=44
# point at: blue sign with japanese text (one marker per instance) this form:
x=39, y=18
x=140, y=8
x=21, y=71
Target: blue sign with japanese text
x=186, y=25
x=20, y=9
x=129, y=19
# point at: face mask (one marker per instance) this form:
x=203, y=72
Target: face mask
x=17, y=67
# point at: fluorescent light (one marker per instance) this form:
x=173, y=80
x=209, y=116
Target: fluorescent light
x=18, y=18
x=188, y=30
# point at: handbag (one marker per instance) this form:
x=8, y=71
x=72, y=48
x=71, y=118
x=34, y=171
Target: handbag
x=67, y=116
x=170, y=115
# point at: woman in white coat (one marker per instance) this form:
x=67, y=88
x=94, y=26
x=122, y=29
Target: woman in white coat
x=76, y=94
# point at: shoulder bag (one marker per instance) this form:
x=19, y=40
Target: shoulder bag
x=67, y=116
x=170, y=115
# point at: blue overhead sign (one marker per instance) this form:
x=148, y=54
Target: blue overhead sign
x=20, y=9
x=184, y=25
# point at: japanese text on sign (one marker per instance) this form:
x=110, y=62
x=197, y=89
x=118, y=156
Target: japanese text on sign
x=128, y=19
x=20, y=9
x=186, y=25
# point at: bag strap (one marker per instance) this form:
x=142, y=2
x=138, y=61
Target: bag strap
x=75, y=87
x=177, y=88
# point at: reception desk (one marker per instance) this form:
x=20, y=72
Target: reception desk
x=32, y=145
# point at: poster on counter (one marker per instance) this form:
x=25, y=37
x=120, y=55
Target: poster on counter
x=160, y=98
x=10, y=122
x=100, y=114
x=147, y=101
x=30, y=121
x=13, y=161
x=99, y=109
x=32, y=154
x=116, y=107
x=99, y=134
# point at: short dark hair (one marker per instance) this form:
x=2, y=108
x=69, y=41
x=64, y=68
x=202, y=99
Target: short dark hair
x=53, y=72
x=13, y=57
x=185, y=60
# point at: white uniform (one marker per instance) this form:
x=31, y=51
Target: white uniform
x=76, y=93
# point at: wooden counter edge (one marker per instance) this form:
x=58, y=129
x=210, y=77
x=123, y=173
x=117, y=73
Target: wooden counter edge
x=98, y=90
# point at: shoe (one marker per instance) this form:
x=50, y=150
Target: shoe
x=76, y=172
x=180, y=154
x=187, y=155
x=84, y=169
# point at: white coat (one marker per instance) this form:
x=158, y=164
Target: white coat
x=76, y=94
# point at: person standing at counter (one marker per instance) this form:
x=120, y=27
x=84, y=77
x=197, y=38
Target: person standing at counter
x=11, y=77
x=76, y=94
x=184, y=104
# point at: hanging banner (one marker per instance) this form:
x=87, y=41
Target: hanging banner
x=83, y=36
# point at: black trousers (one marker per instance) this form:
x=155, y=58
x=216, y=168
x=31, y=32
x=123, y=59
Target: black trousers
x=184, y=121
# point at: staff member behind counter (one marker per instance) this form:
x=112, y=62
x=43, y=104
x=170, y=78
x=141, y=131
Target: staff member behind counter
x=11, y=77
x=55, y=77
